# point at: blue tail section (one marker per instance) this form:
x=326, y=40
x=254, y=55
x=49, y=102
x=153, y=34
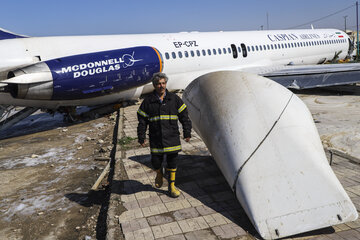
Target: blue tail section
x=8, y=35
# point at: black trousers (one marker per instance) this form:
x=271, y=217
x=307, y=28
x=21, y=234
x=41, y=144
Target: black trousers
x=171, y=160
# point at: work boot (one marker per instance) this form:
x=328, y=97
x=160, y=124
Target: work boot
x=173, y=191
x=159, y=178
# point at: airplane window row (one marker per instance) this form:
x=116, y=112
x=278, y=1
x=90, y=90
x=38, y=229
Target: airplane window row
x=293, y=45
x=199, y=53
x=220, y=51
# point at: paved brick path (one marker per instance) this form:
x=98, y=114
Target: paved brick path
x=207, y=208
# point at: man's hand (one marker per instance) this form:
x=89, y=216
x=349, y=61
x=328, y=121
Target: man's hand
x=187, y=139
x=143, y=144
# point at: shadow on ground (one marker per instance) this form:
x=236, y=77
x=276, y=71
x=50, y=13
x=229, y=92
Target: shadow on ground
x=331, y=90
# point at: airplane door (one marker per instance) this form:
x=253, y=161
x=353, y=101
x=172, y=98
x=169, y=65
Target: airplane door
x=351, y=46
x=234, y=51
x=244, y=50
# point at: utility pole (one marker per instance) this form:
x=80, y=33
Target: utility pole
x=267, y=20
x=262, y=27
x=357, y=30
x=345, y=22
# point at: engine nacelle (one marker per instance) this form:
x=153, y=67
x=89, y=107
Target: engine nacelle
x=86, y=75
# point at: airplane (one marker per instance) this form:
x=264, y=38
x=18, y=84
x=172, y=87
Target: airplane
x=270, y=134
x=60, y=73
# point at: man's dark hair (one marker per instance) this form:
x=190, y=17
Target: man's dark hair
x=157, y=76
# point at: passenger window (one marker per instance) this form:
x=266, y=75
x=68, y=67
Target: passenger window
x=180, y=54
x=209, y=52
x=257, y=49
x=252, y=48
x=167, y=56
x=219, y=51
x=248, y=48
x=214, y=51
x=239, y=49
x=173, y=55
x=198, y=53
x=224, y=50
x=203, y=52
x=186, y=54
x=192, y=53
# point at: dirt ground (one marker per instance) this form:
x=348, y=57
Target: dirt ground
x=336, y=112
x=47, y=168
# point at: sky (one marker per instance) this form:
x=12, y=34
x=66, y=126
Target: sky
x=95, y=17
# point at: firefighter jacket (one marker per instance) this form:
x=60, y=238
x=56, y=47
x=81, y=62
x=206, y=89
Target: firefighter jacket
x=162, y=118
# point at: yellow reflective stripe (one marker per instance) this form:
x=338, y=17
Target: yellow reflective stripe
x=163, y=117
x=167, y=149
x=142, y=113
x=182, y=108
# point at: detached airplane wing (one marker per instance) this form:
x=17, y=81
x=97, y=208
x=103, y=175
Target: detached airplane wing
x=266, y=144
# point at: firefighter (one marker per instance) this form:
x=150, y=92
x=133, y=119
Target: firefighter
x=161, y=110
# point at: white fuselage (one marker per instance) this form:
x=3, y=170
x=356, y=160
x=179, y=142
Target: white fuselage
x=264, y=49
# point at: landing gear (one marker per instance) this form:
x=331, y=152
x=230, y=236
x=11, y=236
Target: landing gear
x=69, y=114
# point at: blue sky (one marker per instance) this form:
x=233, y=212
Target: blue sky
x=93, y=17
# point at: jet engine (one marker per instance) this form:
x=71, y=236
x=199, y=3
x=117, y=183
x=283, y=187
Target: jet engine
x=86, y=75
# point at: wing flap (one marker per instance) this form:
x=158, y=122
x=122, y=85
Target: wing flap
x=312, y=76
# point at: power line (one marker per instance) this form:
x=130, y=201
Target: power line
x=322, y=18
